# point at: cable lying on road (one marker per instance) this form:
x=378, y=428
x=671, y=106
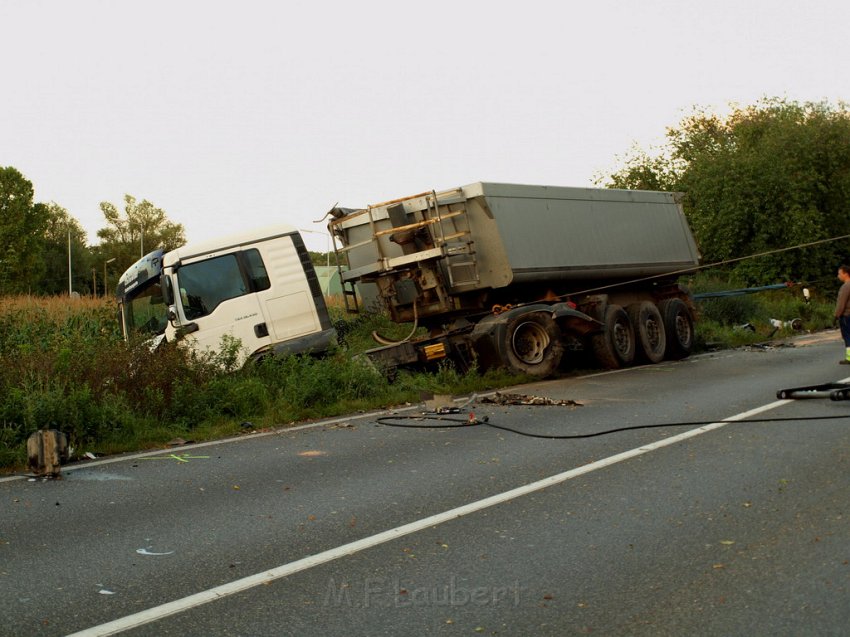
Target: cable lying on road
x=472, y=421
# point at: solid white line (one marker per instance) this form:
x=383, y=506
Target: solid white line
x=279, y=431
x=180, y=605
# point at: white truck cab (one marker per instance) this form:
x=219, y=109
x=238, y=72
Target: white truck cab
x=258, y=287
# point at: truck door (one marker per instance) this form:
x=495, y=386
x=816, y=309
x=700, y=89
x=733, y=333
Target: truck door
x=289, y=302
x=217, y=293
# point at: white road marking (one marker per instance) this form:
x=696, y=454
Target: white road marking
x=280, y=431
x=192, y=601
x=86, y=464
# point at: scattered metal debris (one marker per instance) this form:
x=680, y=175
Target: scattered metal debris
x=500, y=398
x=749, y=327
x=764, y=347
x=441, y=404
x=47, y=449
x=446, y=404
x=795, y=324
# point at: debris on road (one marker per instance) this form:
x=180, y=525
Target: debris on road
x=342, y=425
x=149, y=552
x=764, y=347
x=500, y=398
x=47, y=450
x=182, y=457
x=441, y=404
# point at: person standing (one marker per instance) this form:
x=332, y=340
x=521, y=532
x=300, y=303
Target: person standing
x=842, y=310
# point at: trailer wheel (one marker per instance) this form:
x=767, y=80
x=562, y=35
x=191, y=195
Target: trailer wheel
x=533, y=344
x=679, y=325
x=614, y=347
x=649, y=329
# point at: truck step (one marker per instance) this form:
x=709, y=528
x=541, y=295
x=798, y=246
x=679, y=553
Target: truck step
x=351, y=306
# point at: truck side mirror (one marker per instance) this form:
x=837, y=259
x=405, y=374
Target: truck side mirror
x=167, y=290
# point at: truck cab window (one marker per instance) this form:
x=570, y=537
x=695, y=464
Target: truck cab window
x=206, y=284
x=147, y=312
x=256, y=270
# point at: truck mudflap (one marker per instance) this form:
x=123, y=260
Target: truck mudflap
x=529, y=339
x=575, y=321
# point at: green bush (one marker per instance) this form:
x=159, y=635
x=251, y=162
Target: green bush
x=307, y=387
x=721, y=319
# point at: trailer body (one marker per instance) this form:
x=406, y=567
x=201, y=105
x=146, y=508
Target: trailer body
x=470, y=262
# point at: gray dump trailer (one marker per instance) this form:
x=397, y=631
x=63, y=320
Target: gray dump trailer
x=515, y=275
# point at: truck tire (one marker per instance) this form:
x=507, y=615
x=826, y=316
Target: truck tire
x=614, y=347
x=679, y=325
x=650, y=335
x=532, y=344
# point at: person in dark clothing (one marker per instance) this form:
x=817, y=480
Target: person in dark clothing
x=842, y=310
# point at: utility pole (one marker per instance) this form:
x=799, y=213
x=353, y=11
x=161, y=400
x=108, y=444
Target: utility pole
x=69, y=263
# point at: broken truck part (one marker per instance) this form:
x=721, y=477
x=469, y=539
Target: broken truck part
x=259, y=288
x=833, y=391
x=47, y=451
x=517, y=275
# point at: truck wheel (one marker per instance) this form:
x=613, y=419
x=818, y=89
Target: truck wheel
x=614, y=347
x=649, y=332
x=533, y=344
x=679, y=325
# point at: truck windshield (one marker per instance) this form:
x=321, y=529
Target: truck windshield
x=145, y=310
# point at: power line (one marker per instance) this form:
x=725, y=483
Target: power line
x=706, y=266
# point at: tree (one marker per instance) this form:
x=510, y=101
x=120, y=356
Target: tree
x=323, y=258
x=21, y=226
x=142, y=228
x=767, y=176
x=59, y=228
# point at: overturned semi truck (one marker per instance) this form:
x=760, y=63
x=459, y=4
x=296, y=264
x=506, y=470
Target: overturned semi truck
x=515, y=275
x=258, y=287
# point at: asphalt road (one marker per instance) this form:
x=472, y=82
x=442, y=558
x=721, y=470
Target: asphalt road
x=353, y=528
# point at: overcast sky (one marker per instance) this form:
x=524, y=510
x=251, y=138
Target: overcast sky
x=235, y=115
